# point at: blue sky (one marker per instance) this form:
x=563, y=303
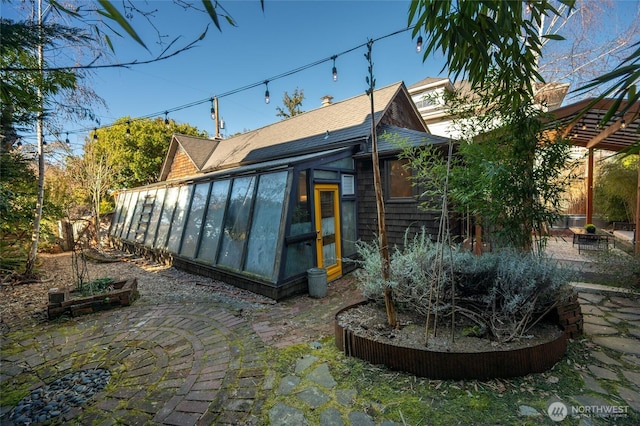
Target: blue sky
x=288, y=35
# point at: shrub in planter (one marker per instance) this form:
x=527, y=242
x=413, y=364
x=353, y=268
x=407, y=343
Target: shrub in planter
x=504, y=292
x=590, y=228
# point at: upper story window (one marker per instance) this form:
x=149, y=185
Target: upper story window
x=399, y=179
x=424, y=101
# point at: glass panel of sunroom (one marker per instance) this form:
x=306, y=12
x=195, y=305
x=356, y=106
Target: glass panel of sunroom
x=155, y=217
x=266, y=223
x=299, y=255
x=167, y=215
x=211, y=230
x=116, y=224
x=194, y=220
x=126, y=197
x=177, y=224
x=236, y=223
x=135, y=220
x=131, y=208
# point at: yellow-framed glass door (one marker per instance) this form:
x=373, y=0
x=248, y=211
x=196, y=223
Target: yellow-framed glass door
x=327, y=218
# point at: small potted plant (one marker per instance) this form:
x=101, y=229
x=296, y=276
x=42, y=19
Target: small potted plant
x=591, y=228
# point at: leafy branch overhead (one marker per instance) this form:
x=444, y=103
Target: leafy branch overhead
x=489, y=37
x=116, y=23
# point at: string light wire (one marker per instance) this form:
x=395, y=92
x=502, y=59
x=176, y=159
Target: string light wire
x=242, y=88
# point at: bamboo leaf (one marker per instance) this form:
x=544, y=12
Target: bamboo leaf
x=115, y=15
x=211, y=10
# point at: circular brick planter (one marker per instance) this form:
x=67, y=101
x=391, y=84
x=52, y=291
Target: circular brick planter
x=451, y=365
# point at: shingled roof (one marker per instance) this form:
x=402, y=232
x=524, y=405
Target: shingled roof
x=197, y=149
x=336, y=125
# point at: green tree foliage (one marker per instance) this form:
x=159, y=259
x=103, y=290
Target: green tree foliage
x=505, y=172
x=291, y=103
x=136, y=159
x=616, y=189
x=19, y=99
x=487, y=37
x=17, y=195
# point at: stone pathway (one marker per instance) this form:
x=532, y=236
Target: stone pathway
x=203, y=364
x=612, y=322
x=313, y=385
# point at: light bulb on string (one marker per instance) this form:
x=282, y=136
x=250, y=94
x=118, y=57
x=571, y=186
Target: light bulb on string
x=623, y=124
x=127, y=132
x=334, y=71
x=267, y=98
x=166, y=119
x=95, y=134
x=419, y=45
x=66, y=140
x=213, y=111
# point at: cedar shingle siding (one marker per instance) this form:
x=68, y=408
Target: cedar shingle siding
x=399, y=216
x=182, y=166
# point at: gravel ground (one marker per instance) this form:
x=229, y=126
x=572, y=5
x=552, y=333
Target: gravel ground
x=26, y=304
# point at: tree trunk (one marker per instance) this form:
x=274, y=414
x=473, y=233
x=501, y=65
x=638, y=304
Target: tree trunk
x=35, y=237
x=382, y=232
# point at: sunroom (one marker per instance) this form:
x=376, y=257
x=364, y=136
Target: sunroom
x=260, y=209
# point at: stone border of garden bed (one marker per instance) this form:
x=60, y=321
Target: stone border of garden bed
x=457, y=366
x=64, y=302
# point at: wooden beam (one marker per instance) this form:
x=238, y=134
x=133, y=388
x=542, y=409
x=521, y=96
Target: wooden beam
x=628, y=117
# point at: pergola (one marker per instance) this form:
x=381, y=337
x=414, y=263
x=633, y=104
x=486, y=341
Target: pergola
x=584, y=128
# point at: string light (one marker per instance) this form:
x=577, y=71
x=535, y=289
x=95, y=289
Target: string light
x=67, y=139
x=127, y=132
x=623, y=124
x=253, y=85
x=419, y=45
x=213, y=111
x=334, y=71
x=95, y=134
x=166, y=119
x=584, y=126
x=267, y=99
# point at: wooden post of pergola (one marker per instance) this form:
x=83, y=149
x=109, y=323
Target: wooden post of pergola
x=589, y=218
x=582, y=124
x=636, y=243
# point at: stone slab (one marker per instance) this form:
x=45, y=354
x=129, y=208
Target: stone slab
x=322, y=376
x=284, y=415
x=305, y=362
x=602, y=373
x=287, y=384
x=632, y=376
x=331, y=417
x=620, y=344
x=592, y=384
x=604, y=358
x=314, y=397
x=599, y=330
x=631, y=397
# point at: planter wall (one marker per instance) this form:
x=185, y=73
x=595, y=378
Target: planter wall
x=450, y=365
x=63, y=302
x=568, y=315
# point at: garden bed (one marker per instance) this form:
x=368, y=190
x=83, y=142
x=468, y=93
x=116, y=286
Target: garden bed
x=66, y=302
x=370, y=339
